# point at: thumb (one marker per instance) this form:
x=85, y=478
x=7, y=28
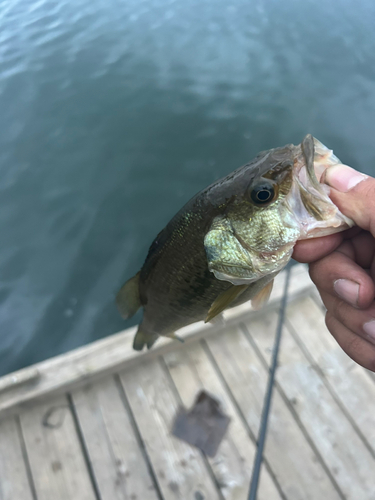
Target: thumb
x=354, y=194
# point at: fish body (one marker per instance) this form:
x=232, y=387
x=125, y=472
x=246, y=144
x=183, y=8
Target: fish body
x=226, y=245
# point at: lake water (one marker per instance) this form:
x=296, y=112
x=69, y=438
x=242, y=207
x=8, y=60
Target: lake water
x=114, y=113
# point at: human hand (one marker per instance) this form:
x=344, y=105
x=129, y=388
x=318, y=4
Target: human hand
x=342, y=265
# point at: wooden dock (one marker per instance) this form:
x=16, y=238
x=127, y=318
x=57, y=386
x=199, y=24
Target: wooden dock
x=95, y=423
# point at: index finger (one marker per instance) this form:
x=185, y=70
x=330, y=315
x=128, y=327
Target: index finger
x=316, y=248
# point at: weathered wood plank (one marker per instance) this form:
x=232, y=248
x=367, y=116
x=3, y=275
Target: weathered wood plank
x=57, y=464
x=26, y=376
x=348, y=381
x=192, y=371
x=120, y=469
x=343, y=452
x=14, y=484
x=294, y=464
x=75, y=368
x=180, y=469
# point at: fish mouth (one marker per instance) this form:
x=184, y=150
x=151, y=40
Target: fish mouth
x=316, y=158
x=309, y=198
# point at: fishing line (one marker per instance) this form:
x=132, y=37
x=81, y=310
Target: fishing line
x=267, y=399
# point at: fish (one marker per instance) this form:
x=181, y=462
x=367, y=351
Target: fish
x=227, y=244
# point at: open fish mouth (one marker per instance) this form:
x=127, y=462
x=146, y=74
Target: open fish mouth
x=309, y=200
x=288, y=203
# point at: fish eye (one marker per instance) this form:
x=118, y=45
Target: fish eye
x=263, y=193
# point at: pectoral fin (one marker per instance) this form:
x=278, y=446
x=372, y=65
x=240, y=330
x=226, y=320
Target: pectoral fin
x=127, y=299
x=261, y=298
x=224, y=300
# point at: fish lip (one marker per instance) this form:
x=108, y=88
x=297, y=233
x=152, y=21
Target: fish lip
x=222, y=274
x=308, y=152
x=308, y=202
x=220, y=268
x=308, y=177
x=323, y=158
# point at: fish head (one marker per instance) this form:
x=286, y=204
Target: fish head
x=281, y=202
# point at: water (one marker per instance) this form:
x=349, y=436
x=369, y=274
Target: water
x=114, y=113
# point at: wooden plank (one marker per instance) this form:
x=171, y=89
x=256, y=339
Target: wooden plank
x=26, y=376
x=344, y=453
x=119, y=467
x=296, y=467
x=75, y=368
x=57, y=464
x=14, y=484
x=192, y=371
x=347, y=380
x=179, y=468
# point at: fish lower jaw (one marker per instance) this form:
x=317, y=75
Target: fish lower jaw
x=319, y=217
x=323, y=159
x=234, y=274
x=314, y=215
x=263, y=264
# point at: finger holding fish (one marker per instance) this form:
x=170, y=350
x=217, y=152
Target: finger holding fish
x=361, y=322
x=340, y=274
x=346, y=277
x=306, y=251
x=360, y=350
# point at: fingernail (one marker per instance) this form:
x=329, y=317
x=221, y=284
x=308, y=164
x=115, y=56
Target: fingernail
x=347, y=290
x=343, y=178
x=369, y=328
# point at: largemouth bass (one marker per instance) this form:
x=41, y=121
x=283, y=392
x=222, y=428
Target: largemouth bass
x=227, y=244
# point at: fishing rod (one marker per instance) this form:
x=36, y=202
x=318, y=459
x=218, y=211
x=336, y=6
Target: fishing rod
x=268, y=396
